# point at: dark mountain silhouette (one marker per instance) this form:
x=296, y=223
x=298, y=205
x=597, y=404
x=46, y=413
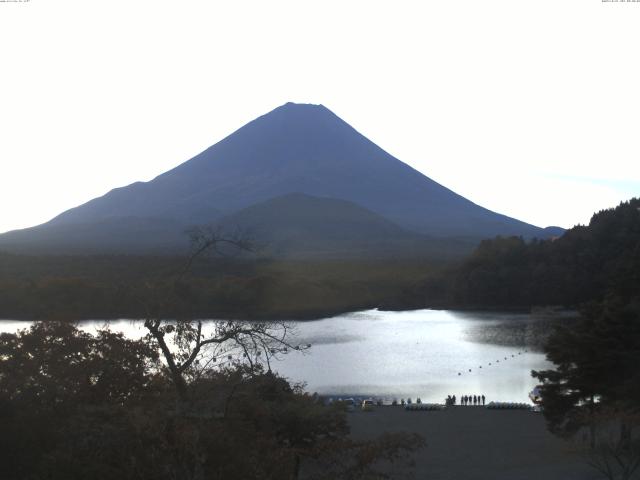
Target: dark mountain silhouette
x=300, y=225
x=294, y=148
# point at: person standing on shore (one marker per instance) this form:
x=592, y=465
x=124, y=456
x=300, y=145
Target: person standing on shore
x=483, y=399
x=454, y=399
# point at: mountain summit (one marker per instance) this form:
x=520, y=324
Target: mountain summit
x=296, y=148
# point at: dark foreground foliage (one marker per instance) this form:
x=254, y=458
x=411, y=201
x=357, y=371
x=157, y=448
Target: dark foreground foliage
x=77, y=406
x=596, y=366
x=593, y=392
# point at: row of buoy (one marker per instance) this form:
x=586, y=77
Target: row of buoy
x=497, y=361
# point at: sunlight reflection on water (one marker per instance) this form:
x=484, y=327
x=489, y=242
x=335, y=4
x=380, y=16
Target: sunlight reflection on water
x=403, y=354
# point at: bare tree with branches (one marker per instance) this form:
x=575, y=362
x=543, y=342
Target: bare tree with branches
x=190, y=347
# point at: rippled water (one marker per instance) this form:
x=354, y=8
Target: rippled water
x=422, y=353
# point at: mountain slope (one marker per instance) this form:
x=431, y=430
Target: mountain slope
x=106, y=235
x=300, y=225
x=294, y=148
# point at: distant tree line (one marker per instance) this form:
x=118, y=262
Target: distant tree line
x=582, y=265
x=111, y=286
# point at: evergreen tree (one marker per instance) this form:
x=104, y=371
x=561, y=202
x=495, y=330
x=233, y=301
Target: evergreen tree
x=596, y=366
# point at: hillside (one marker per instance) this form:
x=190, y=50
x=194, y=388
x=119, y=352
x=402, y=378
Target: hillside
x=585, y=264
x=302, y=226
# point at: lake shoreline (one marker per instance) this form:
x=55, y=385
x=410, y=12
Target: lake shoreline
x=324, y=314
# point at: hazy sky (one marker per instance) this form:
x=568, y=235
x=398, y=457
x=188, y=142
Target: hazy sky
x=529, y=108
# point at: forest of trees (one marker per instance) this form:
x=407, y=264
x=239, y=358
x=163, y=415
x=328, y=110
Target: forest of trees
x=583, y=265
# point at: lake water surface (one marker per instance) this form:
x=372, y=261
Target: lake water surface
x=423, y=353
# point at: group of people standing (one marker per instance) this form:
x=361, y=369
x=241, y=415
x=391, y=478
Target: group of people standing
x=466, y=400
